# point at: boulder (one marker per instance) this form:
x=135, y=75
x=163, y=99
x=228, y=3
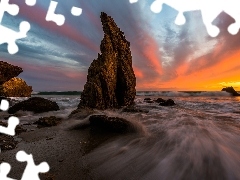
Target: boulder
x=34, y=104
x=8, y=71
x=15, y=87
x=231, y=90
x=111, y=80
x=111, y=124
x=168, y=102
x=159, y=100
x=48, y=121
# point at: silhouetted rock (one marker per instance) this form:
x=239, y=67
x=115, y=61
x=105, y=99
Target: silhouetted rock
x=111, y=80
x=159, y=100
x=8, y=71
x=48, y=121
x=34, y=104
x=231, y=91
x=168, y=102
x=111, y=124
x=16, y=87
x=147, y=99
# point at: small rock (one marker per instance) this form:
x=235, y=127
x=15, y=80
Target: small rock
x=7, y=142
x=231, y=90
x=169, y=102
x=48, y=121
x=111, y=124
x=34, y=104
x=159, y=100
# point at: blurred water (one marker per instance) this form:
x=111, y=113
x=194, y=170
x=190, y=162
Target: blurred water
x=199, y=138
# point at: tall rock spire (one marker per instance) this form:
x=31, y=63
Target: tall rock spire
x=111, y=80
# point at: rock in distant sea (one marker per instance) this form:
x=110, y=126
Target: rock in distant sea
x=8, y=71
x=34, y=104
x=231, y=90
x=111, y=80
x=16, y=87
x=168, y=102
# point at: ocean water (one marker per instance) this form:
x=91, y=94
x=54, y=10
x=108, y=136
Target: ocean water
x=199, y=138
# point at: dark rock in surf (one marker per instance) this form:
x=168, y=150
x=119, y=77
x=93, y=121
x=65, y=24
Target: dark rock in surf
x=48, y=121
x=34, y=104
x=168, y=102
x=159, y=100
x=111, y=124
x=231, y=90
x=147, y=99
x=111, y=80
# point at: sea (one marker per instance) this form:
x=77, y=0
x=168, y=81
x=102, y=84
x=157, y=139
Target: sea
x=197, y=139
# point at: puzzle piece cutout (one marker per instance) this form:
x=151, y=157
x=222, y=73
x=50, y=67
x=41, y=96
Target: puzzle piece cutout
x=31, y=171
x=4, y=170
x=30, y=2
x=210, y=10
x=12, y=121
x=4, y=105
x=76, y=11
x=59, y=19
x=7, y=35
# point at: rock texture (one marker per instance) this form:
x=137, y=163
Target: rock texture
x=10, y=86
x=8, y=71
x=34, y=104
x=168, y=102
x=16, y=87
x=111, y=80
x=231, y=90
x=111, y=124
x=48, y=121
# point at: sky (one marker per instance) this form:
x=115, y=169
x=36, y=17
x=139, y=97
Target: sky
x=165, y=56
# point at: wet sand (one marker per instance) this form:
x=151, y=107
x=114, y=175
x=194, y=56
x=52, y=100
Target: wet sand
x=61, y=148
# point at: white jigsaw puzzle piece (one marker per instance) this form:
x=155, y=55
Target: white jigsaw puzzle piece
x=76, y=11
x=9, y=36
x=210, y=10
x=4, y=170
x=12, y=9
x=4, y=105
x=31, y=171
x=59, y=19
x=30, y=2
x=12, y=124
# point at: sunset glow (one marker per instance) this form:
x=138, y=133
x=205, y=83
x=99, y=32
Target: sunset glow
x=165, y=56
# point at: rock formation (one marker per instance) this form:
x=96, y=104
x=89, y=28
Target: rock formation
x=8, y=71
x=34, y=104
x=10, y=86
x=231, y=91
x=16, y=87
x=111, y=80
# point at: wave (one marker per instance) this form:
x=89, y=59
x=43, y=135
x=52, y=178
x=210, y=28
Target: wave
x=183, y=93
